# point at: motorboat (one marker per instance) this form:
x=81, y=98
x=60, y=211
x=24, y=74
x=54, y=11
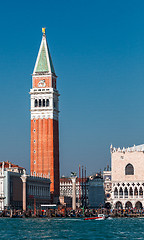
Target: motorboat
x=99, y=217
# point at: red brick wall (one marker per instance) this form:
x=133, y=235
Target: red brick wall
x=46, y=146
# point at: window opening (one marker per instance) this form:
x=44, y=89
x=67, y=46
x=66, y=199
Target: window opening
x=47, y=102
x=36, y=103
x=39, y=102
x=43, y=102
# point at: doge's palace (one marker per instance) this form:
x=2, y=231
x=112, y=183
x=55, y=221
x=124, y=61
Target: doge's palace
x=127, y=177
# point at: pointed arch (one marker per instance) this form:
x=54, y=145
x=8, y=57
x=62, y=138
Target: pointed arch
x=138, y=205
x=116, y=192
x=141, y=192
x=108, y=205
x=121, y=192
x=129, y=169
x=128, y=205
x=118, y=205
x=136, y=191
x=131, y=192
x=126, y=192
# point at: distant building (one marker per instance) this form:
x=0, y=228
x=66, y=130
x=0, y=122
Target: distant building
x=96, y=191
x=92, y=193
x=38, y=190
x=11, y=187
x=127, y=177
x=66, y=201
x=107, y=188
x=81, y=191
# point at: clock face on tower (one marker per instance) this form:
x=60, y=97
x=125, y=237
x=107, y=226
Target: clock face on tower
x=42, y=83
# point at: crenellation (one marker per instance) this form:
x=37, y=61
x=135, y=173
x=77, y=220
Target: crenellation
x=139, y=148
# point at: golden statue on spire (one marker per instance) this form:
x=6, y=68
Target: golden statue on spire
x=43, y=31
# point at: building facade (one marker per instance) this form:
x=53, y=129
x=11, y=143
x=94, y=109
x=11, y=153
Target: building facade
x=66, y=191
x=127, y=177
x=37, y=189
x=89, y=191
x=96, y=191
x=44, y=119
x=10, y=185
x=107, y=187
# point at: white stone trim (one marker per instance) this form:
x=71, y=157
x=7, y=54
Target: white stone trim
x=43, y=75
x=139, y=148
x=131, y=198
x=43, y=91
x=44, y=116
x=45, y=112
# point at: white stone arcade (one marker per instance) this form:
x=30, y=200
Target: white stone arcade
x=128, y=194
x=127, y=172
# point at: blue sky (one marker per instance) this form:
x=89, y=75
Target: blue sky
x=97, y=49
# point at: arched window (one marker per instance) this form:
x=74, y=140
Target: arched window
x=129, y=169
x=121, y=192
x=131, y=191
x=126, y=192
x=116, y=193
x=118, y=205
x=141, y=192
x=128, y=205
x=136, y=191
x=36, y=103
x=39, y=102
x=43, y=102
x=138, y=205
x=47, y=102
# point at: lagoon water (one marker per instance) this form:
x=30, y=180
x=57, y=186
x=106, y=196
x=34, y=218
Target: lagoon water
x=12, y=228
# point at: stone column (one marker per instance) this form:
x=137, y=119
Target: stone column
x=2, y=187
x=133, y=192
x=118, y=193
x=138, y=193
x=23, y=178
x=74, y=192
x=112, y=196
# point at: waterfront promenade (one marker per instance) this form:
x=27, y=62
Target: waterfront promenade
x=69, y=213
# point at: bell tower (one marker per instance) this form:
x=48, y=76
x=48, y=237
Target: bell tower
x=44, y=119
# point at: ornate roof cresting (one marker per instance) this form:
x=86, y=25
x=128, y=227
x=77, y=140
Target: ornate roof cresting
x=139, y=148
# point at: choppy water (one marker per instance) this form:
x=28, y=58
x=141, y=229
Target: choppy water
x=71, y=229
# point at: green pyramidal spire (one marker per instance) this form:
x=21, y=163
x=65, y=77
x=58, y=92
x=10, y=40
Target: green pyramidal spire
x=44, y=62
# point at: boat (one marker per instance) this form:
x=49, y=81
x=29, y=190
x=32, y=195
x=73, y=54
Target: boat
x=99, y=217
